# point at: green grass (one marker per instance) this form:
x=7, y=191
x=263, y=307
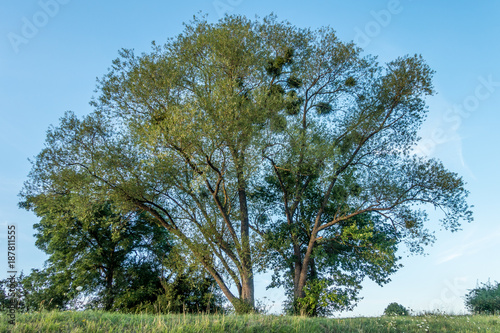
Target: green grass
x=95, y=321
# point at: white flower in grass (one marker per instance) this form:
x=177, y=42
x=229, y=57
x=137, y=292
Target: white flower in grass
x=79, y=288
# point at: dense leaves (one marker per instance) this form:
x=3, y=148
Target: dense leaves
x=395, y=309
x=106, y=258
x=484, y=299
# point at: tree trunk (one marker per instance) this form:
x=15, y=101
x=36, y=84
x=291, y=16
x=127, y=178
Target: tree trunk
x=297, y=270
x=109, y=294
x=247, y=282
x=306, y=262
x=313, y=275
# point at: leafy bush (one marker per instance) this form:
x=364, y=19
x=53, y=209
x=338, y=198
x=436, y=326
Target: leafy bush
x=395, y=309
x=484, y=299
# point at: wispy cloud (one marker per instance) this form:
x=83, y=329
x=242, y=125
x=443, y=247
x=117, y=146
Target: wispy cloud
x=462, y=160
x=449, y=257
x=471, y=247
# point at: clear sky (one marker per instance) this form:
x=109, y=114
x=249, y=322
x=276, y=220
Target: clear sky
x=51, y=52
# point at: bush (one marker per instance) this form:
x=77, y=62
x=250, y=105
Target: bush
x=322, y=300
x=484, y=299
x=395, y=309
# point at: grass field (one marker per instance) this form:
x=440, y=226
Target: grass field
x=95, y=321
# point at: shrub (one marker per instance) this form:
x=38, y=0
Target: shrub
x=484, y=299
x=322, y=300
x=395, y=309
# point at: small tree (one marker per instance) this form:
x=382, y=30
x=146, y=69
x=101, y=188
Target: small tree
x=395, y=309
x=47, y=289
x=484, y=299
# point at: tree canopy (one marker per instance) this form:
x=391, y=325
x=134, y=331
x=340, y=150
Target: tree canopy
x=258, y=144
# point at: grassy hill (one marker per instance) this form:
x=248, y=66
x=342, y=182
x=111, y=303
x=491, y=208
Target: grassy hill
x=95, y=321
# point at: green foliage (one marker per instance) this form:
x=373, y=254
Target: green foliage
x=4, y=302
x=242, y=307
x=324, y=108
x=319, y=300
x=119, y=259
x=187, y=289
x=294, y=82
x=278, y=123
x=350, y=81
x=484, y=299
x=293, y=103
x=47, y=289
x=40, y=290
x=395, y=309
x=92, y=244
x=356, y=249
x=12, y=293
x=275, y=66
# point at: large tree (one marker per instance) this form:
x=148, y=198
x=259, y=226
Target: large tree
x=175, y=134
x=342, y=171
x=236, y=130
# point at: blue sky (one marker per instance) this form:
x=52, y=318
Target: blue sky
x=51, y=52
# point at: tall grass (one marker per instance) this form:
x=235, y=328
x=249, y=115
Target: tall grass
x=98, y=321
